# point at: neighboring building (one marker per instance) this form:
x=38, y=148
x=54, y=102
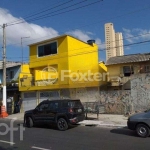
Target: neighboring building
x=61, y=67
x=122, y=68
x=113, y=41
x=119, y=44
x=13, y=70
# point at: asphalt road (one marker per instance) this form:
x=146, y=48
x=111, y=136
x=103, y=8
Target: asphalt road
x=76, y=138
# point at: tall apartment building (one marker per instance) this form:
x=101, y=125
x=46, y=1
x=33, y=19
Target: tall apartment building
x=119, y=44
x=113, y=41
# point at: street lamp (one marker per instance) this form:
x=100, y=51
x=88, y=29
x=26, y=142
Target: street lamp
x=22, y=46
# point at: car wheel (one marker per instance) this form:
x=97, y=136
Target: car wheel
x=29, y=122
x=62, y=124
x=142, y=130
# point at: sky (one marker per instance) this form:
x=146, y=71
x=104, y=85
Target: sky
x=43, y=19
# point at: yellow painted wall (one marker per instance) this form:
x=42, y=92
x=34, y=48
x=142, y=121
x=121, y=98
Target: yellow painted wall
x=103, y=71
x=60, y=60
x=117, y=69
x=82, y=58
x=36, y=61
x=73, y=54
x=102, y=66
x=25, y=68
x=114, y=70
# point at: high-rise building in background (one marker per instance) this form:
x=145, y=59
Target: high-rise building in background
x=119, y=44
x=113, y=41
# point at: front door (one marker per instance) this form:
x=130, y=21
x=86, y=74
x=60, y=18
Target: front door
x=52, y=111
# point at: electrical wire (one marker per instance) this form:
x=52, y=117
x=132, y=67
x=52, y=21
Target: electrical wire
x=110, y=18
x=98, y=43
x=81, y=53
x=40, y=12
x=107, y=48
x=57, y=13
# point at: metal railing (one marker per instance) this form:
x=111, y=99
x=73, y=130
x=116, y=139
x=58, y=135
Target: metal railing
x=30, y=81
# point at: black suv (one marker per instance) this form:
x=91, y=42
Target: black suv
x=61, y=112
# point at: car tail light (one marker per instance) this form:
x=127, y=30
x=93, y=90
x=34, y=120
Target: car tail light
x=71, y=110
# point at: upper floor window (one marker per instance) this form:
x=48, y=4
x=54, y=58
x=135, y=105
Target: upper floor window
x=128, y=70
x=47, y=49
x=147, y=68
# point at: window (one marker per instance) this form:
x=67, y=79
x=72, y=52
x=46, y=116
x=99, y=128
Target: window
x=128, y=70
x=11, y=74
x=53, y=105
x=75, y=104
x=47, y=49
x=43, y=106
x=147, y=68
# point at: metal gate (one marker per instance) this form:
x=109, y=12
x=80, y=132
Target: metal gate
x=29, y=101
x=49, y=95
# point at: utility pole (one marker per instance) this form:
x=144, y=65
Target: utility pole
x=4, y=66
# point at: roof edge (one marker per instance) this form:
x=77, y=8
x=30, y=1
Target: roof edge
x=57, y=37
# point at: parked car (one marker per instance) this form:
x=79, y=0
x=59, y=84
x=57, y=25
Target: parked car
x=61, y=112
x=140, y=122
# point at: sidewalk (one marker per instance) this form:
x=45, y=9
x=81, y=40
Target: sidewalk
x=18, y=116
x=105, y=120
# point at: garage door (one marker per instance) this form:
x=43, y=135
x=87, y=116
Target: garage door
x=49, y=95
x=29, y=101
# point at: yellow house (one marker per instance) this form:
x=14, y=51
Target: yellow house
x=122, y=68
x=61, y=67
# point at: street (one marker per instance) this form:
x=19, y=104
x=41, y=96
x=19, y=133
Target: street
x=78, y=137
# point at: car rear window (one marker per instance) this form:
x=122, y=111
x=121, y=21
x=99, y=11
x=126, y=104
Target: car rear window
x=74, y=104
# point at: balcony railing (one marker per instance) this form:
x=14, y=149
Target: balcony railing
x=25, y=82
x=30, y=81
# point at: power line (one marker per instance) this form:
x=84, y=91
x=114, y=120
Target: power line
x=58, y=13
x=129, y=13
x=81, y=53
x=40, y=12
x=111, y=18
x=110, y=41
x=127, y=45
x=139, y=10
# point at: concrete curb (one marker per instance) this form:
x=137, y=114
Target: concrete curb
x=103, y=125
x=82, y=124
x=11, y=119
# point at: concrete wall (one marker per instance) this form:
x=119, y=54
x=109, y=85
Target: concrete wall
x=116, y=102
x=140, y=91
x=85, y=94
x=125, y=101
x=113, y=102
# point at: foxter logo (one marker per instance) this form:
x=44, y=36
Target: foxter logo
x=49, y=75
